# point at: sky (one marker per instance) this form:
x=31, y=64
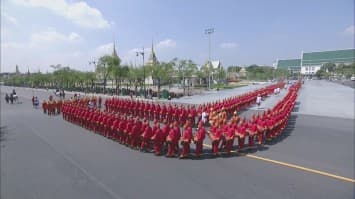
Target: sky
x=38, y=33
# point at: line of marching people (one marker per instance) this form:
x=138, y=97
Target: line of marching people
x=51, y=107
x=167, y=138
x=136, y=133
x=257, y=130
x=182, y=113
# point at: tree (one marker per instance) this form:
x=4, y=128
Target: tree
x=233, y=69
x=184, y=68
x=114, y=70
x=221, y=74
x=330, y=67
x=161, y=73
x=104, y=66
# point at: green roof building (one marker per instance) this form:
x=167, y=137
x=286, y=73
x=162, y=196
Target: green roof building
x=311, y=62
x=292, y=65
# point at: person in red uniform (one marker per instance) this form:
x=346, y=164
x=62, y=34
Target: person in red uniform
x=99, y=102
x=165, y=131
x=59, y=106
x=198, y=139
x=252, y=132
x=121, y=129
x=260, y=124
x=128, y=131
x=215, y=135
x=158, y=139
x=170, y=113
x=183, y=115
x=96, y=121
x=229, y=135
x=173, y=140
x=163, y=112
x=146, y=137
x=241, y=133
x=270, y=123
x=44, y=106
x=135, y=133
x=186, y=140
x=105, y=124
x=176, y=113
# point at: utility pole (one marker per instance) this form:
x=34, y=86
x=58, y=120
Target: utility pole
x=137, y=54
x=209, y=31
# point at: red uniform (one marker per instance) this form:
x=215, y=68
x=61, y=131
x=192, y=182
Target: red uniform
x=121, y=133
x=185, y=141
x=173, y=141
x=158, y=139
x=261, y=129
x=45, y=106
x=147, y=135
x=135, y=134
x=199, y=137
x=252, y=132
x=241, y=133
x=215, y=136
x=229, y=136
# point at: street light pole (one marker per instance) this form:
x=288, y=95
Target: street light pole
x=209, y=31
x=95, y=65
x=137, y=54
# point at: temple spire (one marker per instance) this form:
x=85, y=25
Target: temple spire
x=114, y=53
x=152, y=57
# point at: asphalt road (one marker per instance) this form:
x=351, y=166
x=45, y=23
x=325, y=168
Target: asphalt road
x=46, y=157
x=347, y=82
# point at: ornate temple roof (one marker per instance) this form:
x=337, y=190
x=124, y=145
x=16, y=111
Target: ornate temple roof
x=152, y=60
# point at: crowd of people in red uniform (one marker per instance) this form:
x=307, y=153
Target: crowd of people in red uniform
x=127, y=122
x=52, y=106
x=260, y=128
x=182, y=113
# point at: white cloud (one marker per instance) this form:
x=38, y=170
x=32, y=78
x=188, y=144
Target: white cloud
x=10, y=20
x=228, y=45
x=74, y=36
x=79, y=13
x=105, y=49
x=49, y=39
x=131, y=56
x=349, y=30
x=168, y=43
x=51, y=36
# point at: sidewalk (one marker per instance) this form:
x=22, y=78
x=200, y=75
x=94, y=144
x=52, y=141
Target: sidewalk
x=268, y=103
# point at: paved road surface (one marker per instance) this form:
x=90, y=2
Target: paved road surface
x=209, y=96
x=46, y=157
x=345, y=83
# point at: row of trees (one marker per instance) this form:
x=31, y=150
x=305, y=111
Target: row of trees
x=175, y=71
x=64, y=77
x=330, y=69
x=109, y=70
x=255, y=72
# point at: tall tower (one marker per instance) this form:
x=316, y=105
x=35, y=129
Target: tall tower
x=152, y=57
x=114, y=53
x=17, y=70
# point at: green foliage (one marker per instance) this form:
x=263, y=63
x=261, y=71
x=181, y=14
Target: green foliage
x=265, y=73
x=162, y=72
x=233, y=69
x=341, y=70
x=330, y=67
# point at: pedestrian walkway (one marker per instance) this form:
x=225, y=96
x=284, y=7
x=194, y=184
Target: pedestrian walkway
x=267, y=103
x=323, y=98
x=211, y=96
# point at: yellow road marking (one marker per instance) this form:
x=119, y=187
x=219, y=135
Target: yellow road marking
x=293, y=166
